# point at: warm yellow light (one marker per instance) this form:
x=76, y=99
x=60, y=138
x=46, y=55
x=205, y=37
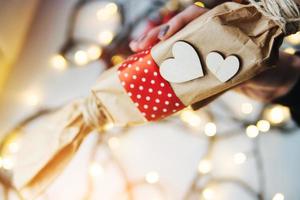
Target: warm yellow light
x=113, y=142
x=252, y=131
x=94, y=52
x=81, y=57
x=263, y=125
x=6, y=163
x=278, y=196
x=190, y=117
x=152, y=177
x=290, y=50
x=58, y=62
x=108, y=126
x=278, y=114
x=13, y=147
x=95, y=169
x=210, y=129
x=117, y=59
x=208, y=193
x=239, y=158
x=32, y=98
x=204, y=166
x=294, y=39
x=105, y=37
x=247, y=108
x=108, y=11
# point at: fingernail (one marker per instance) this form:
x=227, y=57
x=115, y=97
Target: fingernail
x=163, y=31
x=133, y=45
x=141, y=38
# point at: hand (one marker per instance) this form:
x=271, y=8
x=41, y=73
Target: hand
x=265, y=87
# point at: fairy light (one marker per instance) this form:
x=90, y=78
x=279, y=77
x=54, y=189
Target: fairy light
x=113, y=142
x=263, y=125
x=116, y=59
x=95, y=169
x=108, y=11
x=191, y=118
x=32, y=98
x=7, y=163
x=105, y=37
x=108, y=126
x=294, y=38
x=58, y=62
x=152, y=177
x=13, y=147
x=94, y=52
x=290, y=50
x=239, y=158
x=204, y=166
x=278, y=196
x=210, y=129
x=81, y=57
x=247, y=108
x=252, y=131
x=277, y=114
x=208, y=193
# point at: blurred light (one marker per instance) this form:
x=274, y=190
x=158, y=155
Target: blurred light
x=58, y=62
x=204, y=166
x=117, y=59
x=210, y=129
x=13, y=147
x=277, y=114
x=108, y=126
x=278, y=196
x=239, y=158
x=208, y=193
x=113, y=142
x=263, y=125
x=81, y=57
x=247, y=108
x=152, y=177
x=190, y=117
x=6, y=163
x=95, y=169
x=294, y=39
x=94, y=52
x=109, y=10
x=290, y=50
x=252, y=131
x=32, y=98
x=105, y=37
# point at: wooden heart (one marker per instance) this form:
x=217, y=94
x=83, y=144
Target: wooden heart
x=185, y=65
x=223, y=69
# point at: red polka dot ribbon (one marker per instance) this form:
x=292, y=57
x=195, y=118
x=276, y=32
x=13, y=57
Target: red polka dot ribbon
x=149, y=91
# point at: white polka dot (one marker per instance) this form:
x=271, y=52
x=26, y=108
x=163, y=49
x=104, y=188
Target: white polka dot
x=129, y=66
x=147, y=51
x=137, y=68
x=177, y=104
x=131, y=85
x=162, y=84
x=141, y=87
x=148, y=98
x=153, y=116
x=124, y=65
x=119, y=72
x=146, y=106
x=135, y=58
x=167, y=102
x=174, y=110
x=146, y=71
x=144, y=114
x=149, y=62
x=123, y=83
x=144, y=79
x=159, y=92
x=165, y=110
x=138, y=96
x=134, y=77
x=155, y=73
x=129, y=94
x=136, y=104
x=152, y=81
x=150, y=90
x=141, y=59
x=126, y=75
x=157, y=100
x=169, y=95
x=155, y=108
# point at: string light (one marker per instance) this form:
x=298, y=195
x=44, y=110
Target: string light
x=278, y=196
x=95, y=169
x=290, y=50
x=208, y=193
x=294, y=39
x=277, y=114
x=210, y=129
x=152, y=177
x=117, y=59
x=81, y=57
x=190, y=117
x=204, y=166
x=247, y=108
x=239, y=158
x=263, y=125
x=58, y=62
x=252, y=131
x=105, y=37
x=105, y=13
x=94, y=52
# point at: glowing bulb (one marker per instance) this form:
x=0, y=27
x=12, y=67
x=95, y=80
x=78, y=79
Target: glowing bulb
x=108, y=11
x=7, y=163
x=263, y=125
x=58, y=62
x=247, y=108
x=105, y=37
x=108, y=126
x=116, y=59
x=152, y=177
x=13, y=147
x=113, y=142
x=252, y=131
x=204, y=166
x=208, y=193
x=210, y=129
x=32, y=98
x=239, y=158
x=95, y=169
x=94, y=52
x=290, y=50
x=294, y=39
x=278, y=114
x=81, y=57
x=191, y=118
x=278, y=196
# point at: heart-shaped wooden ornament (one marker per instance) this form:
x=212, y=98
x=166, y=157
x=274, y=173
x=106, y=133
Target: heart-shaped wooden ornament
x=223, y=69
x=185, y=66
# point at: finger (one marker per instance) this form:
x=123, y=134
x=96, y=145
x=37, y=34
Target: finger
x=180, y=20
x=149, y=40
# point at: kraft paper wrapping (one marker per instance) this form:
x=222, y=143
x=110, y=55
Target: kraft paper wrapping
x=229, y=28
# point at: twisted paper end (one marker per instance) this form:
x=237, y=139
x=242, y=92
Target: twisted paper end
x=286, y=12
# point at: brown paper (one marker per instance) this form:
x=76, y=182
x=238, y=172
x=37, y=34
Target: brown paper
x=229, y=28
